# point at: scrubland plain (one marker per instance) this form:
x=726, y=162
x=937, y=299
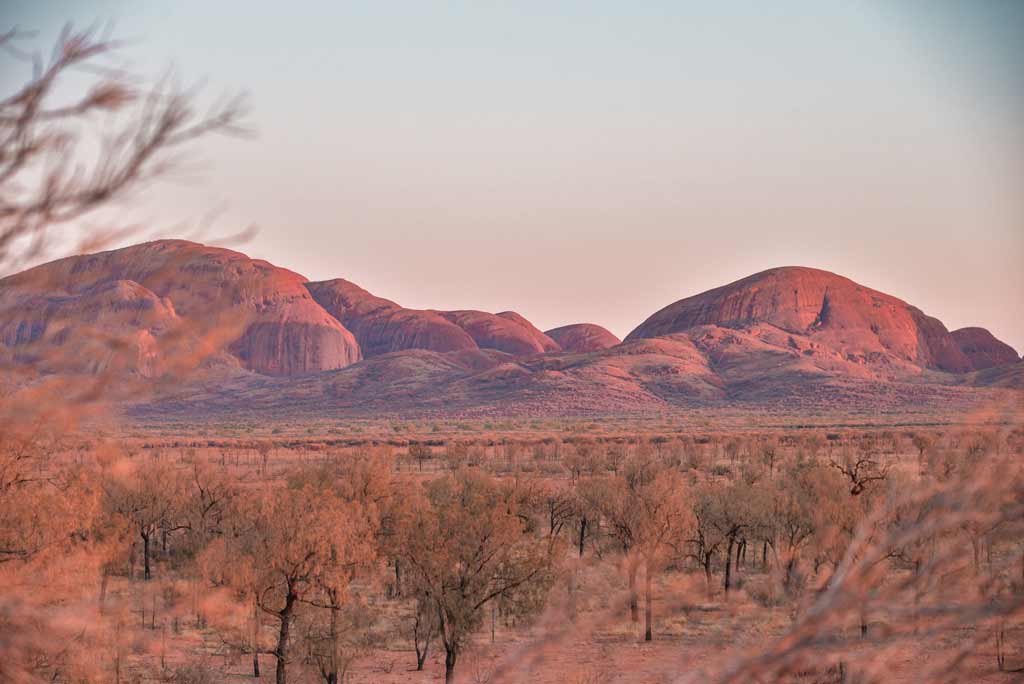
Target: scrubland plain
x=783, y=555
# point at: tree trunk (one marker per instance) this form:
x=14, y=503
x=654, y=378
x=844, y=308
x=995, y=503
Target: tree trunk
x=648, y=610
x=634, y=602
x=281, y=652
x=1000, y=644
x=790, y=566
x=728, y=566
x=707, y=570
x=449, y=666
x=398, y=577
x=332, y=666
x=145, y=555
x=421, y=656
x=255, y=640
x=104, y=578
x=583, y=534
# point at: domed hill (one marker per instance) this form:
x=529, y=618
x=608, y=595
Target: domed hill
x=828, y=309
x=382, y=326
x=546, y=343
x=502, y=332
x=983, y=349
x=583, y=337
x=259, y=313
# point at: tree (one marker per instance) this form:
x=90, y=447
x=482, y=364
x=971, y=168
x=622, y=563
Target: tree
x=78, y=137
x=663, y=518
x=797, y=506
x=726, y=513
x=769, y=453
x=465, y=546
x=707, y=539
x=645, y=508
x=295, y=546
x=357, y=497
x=420, y=453
x=149, y=497
x=861, y=469
x=44, y=180
x=424, y=628
x=37, y=512
x=210, y=498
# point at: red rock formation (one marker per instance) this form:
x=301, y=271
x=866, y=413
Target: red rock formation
x=263, y=314
x=382, y=326
x=982, y=348
x=491, y=331
x=794, y=338
x=113, y=325
x=583, y=337
x=548, y=344
x=861, y=323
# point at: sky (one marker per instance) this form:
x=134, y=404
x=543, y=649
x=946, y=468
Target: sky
x=594, y=162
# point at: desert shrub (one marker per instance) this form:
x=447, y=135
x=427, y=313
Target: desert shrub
x=194, y=673
x=419, y=454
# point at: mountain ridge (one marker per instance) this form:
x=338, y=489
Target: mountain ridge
x=788, y=331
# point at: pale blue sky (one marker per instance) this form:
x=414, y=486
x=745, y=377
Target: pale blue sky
x=596, y=161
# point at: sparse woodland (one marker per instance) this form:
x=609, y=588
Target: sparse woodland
x=171, y=563
x=798, y=555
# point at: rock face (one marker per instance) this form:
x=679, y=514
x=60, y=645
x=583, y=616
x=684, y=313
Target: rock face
x=982, y=348
x=503, y=333
x=112, y=325
x=583, y=337
x=382, y=326
x=545, y=341
x=830, y=310
x=259, y=313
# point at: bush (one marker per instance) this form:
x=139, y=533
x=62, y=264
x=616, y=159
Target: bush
x=193, y=673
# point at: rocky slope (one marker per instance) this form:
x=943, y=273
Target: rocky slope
x=982, y=348
x=824, y=310
x=503, y=333
x=382, y=326
x=259, y=314
x=583, y=337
